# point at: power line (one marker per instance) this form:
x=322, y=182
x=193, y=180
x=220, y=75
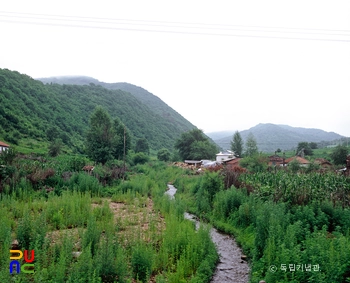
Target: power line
x=170, y=22
x=125, y=27
x=183, y=25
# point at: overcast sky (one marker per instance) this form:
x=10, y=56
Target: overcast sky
x=223, y=65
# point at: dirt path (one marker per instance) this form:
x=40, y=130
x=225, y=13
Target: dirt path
x=231, y=267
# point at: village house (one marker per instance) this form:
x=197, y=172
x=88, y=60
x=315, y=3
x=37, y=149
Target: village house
x=302, y=161
x=324, y=163
x=221, y=156
x=3, y=146
x=276, y=160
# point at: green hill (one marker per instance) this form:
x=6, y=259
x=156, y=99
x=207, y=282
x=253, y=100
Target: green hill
x=31, y=109
x=270, y=137
x=154, y=103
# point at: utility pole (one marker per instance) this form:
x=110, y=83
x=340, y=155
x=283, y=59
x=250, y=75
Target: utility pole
x=124, y=156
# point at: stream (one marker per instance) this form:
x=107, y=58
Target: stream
x=231, y=267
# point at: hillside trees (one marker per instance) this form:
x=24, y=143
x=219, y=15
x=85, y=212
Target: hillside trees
x=31, y=110
x=105, y=139
x=164, y=154
x=142, y=146
x=251, y=145
x=195, y=145
x=237, y=144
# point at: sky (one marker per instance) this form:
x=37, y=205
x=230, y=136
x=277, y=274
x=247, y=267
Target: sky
x=223, y=65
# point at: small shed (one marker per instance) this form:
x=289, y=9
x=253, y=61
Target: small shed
x=195, y=163
x=3, y=146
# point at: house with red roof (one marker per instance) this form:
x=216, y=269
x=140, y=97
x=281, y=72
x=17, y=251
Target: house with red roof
x=302, y=161
x=3, y=146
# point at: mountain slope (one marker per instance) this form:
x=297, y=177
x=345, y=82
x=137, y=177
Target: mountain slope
x=31, y=109
x=270, y=137
x=155, y=104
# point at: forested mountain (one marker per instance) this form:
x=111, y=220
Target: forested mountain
x=31, y=109
x=270, y=137
x=155, y=104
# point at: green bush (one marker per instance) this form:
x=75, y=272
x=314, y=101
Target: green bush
x=141, y=262
x=140, y=158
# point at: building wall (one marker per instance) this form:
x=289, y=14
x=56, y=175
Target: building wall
x=3, y=148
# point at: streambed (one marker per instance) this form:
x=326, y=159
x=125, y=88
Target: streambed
x=231, y=266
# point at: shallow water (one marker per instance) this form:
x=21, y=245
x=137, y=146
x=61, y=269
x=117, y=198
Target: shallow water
x=231, y=267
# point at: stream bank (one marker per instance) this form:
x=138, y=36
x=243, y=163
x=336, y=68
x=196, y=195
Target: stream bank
x=231, y=266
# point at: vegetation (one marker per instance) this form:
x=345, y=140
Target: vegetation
x=163, y=154
x=237, y=144
x=305, y=148
x=251, y=147
x=142, y=146
x=339, y=154
x=114, y=224
x=293, y=227
x=195, y=145
x=31, y=112
x=84, y=230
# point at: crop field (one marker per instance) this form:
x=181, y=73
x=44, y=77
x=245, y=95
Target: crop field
x=294, y=227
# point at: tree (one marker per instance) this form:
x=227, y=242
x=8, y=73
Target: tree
x=121, y=144
x=254, y=163
x=304, y=148
x=142, y=146
x=251, y=145
x=195, y=145
x=100, y=137
x=163, y=154
x=294, y=165
x=313, y=145
x=55, y=147
x=140, y=158
x=237, y=144
x=339, y=154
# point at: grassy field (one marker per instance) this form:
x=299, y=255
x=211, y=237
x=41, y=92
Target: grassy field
x=85, y=232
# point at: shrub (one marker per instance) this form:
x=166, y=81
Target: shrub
x=140, y=158
x=141, y=262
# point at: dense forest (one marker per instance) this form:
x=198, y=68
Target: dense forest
x=32, y=110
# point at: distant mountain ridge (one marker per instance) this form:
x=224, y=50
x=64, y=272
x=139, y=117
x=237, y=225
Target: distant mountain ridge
x=270, y=137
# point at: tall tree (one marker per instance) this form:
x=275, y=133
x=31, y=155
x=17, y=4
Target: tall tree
x=251, y=145
x=237, y=144
x=195, y=145
x=304, y=148
x=101, y=137
x=142, y=146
